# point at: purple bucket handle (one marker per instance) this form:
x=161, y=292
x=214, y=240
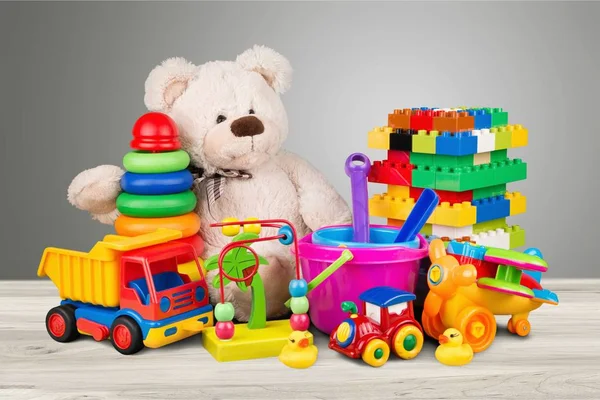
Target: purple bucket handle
x=358, y=174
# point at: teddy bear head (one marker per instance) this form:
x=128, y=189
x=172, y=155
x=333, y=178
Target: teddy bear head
x=229, y=113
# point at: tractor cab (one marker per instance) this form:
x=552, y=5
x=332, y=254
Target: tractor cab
x=385, y=306
x=152, y=285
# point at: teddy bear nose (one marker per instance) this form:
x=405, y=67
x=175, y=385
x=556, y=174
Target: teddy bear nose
x=247, y=126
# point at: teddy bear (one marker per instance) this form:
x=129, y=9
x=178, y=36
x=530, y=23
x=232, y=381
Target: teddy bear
x=232, y=122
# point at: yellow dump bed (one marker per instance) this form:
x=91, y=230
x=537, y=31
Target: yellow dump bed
x=94, y=277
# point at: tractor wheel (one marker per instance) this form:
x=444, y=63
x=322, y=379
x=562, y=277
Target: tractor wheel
x=478, y=326
x=376, y=353
x=61, y=324
x=126, y=336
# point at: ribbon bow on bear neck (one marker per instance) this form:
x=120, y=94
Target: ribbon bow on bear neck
x=215, y=183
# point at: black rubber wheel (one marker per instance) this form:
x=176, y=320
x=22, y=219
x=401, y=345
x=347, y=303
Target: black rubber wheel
x=126, y=336
x=61, y=324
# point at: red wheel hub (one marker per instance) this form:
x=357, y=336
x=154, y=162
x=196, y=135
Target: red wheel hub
x=122, y=337
x=57, y=325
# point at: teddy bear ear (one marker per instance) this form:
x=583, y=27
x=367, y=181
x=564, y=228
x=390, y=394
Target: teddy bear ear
x=167, y=82
x=273, y=67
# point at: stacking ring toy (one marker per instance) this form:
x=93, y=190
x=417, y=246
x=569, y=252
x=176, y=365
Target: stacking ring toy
x=142, y=162
x=157, y=206
x=149, y=184
x=188, y=224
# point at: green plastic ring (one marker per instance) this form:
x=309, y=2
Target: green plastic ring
x=143, y=162
x=156, y=206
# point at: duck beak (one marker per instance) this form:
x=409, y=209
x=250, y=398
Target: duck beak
x=303, y=343
x=443, y=339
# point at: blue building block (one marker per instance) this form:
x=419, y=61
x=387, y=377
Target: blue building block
x=466, y=249
x=491, y=208
x=483, y=119
x=456, y=144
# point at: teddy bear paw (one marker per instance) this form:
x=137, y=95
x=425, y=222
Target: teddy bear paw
x=95, y=190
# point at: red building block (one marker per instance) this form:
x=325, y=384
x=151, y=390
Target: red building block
x=391, y=173
x=421, y=120
x=399, y=156
x=452, y=121
x=400, y=119
x=444, y=195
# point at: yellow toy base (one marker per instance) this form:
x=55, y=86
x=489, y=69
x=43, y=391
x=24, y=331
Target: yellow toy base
x=249, y=344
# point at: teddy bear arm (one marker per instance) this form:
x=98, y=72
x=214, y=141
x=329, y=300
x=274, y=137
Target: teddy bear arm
x=95, y=190
x=320, y=203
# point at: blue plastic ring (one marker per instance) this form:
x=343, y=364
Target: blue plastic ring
x=154, y=184
x=289, y=235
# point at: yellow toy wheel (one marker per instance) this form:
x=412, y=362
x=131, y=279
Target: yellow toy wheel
x=433, y=326
x=408, y=342
x=478, y=326
x=522, y=327
x=376, y=353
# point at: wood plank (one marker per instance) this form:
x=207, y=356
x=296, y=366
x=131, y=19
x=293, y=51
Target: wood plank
x=560, y=359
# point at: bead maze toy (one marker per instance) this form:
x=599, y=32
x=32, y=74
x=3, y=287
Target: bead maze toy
x=128, y=290
x=382, y=254
x=470, y=284
x=461, y=153
x=157, y=186
x=386, y=321
x=238, y=263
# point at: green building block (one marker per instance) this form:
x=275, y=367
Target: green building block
x=489, y=225
x=424, y=142
x=510, y=171
x=498, y=155
x=460, y=179
x=503, y=137
x=435, y=160
x=489, y=191
x=424, y=176
x=426, y=230
x=499, y=117
x=517, y=236
x=422, y=159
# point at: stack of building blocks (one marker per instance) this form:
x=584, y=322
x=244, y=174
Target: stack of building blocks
x=461, y=153
x=157, y=186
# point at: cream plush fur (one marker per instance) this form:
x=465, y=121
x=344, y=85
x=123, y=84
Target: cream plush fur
x=283, y=185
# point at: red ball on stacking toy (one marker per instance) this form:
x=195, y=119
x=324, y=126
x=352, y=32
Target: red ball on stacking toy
x=155, y=131
x=300, y=322
x=224, y=330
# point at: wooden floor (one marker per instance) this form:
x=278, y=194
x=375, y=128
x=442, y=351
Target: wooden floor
x=559, y=360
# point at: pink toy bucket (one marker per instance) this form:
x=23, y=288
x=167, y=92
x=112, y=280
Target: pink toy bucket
x=395, y=266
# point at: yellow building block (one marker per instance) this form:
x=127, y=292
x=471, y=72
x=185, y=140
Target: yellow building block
x=520, y=136
x=249, y=344
x=518, y=203
x=379, y=138
x=190, y=269
x=457, y=214
x=386, y=206
x=402, y=192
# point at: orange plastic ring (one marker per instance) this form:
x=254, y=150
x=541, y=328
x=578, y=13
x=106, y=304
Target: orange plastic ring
x=188, y=224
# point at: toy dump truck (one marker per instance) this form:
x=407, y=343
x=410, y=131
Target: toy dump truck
x=128, y=290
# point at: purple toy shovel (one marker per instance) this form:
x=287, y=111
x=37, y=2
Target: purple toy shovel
x=357, y=168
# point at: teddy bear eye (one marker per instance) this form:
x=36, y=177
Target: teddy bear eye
x=221, y=118
x=251, y=111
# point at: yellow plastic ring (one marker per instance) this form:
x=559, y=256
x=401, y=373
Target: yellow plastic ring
x=188, y=224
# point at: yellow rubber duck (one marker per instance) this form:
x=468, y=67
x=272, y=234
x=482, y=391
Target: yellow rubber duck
x=298, y=352
x=451, y=350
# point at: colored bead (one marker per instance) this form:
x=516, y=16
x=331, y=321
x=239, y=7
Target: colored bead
x=289, y=235
x=224, y=330
x=299, y=305
x=298, y=288
x=299, y=322
x=224, y=312
x=230, y=230
x=252, y=228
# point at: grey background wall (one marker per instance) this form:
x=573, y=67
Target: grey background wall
x=72, y=78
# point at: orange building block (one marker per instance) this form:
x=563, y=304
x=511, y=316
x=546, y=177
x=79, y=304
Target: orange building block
x=400, y=119
x=453, y=121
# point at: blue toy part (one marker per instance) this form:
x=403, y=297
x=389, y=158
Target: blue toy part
x=106, y=315
x=157, y=184
x=422, y=210
x=162, y=281
x=545, y=295
x=289, y=235
x=482, y=118
x=386, y=296
x=350, y=334
x=344, y=235
x=537, y=275
x=456, y=144
x=466, y=249
x=298, y=288
x=491, y=208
